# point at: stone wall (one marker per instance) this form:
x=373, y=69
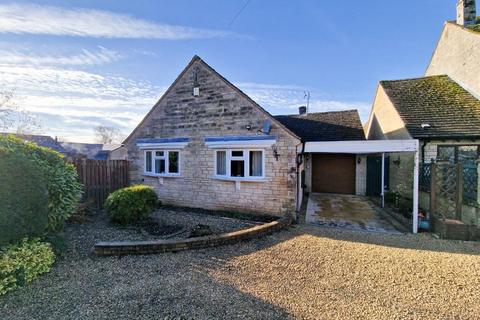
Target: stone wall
x=361, y=175
x=219, y=110
x=458, y=55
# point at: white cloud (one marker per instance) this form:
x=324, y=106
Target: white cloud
x=49, y=20
x=85, y=58
x=71, y=102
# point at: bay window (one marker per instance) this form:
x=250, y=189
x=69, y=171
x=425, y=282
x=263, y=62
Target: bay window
x=162, y=162
x=241, y=164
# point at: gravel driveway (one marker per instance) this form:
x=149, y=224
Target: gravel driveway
x=304, y=272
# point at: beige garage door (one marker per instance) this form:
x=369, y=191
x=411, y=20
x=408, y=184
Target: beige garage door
x=333, y=173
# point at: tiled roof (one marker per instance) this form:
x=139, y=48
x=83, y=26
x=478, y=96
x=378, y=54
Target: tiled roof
x=43, y=141
x=449, y=109
x=75, y=149
x=325, y=126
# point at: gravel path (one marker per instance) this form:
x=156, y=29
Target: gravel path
x=304, y=272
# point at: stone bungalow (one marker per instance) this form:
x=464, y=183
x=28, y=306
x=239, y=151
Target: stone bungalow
x=206, y=144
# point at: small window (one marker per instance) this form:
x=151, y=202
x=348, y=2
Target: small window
x=221, y=162
x=159, y=165
x=173, y=162
x=148, y=161
x=239, y=163
x=237, y=168
x=256, y=163
x=162, y=162
x=454, y=154
x=446, y=153
x=467, y=153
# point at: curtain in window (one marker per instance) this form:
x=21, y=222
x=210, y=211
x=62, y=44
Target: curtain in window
x=256, y=163
x=221, y=163
x=148, y=161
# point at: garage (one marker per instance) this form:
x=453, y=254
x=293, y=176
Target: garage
x=333, y=173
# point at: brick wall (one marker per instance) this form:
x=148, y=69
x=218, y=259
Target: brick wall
x=219, y=110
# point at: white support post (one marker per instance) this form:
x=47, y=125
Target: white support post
x=415, y=193
x=382, y=185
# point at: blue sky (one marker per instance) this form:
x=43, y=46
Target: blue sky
x=78, y=64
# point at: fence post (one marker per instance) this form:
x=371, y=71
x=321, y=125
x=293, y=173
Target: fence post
x=459, y=193
x=433, y=189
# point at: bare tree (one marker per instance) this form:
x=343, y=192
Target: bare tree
x=14, y=118
x=107, y=135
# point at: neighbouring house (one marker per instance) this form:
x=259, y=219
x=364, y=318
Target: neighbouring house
x=94, y=151
x=41, y=140
x=441, y=109
x=206, y=144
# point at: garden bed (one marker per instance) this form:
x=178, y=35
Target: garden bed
x=163, y=223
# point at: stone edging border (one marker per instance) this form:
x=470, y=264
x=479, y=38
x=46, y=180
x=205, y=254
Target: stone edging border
x=161, y=246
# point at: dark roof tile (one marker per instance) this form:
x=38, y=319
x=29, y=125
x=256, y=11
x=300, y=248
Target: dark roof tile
x=325, y=126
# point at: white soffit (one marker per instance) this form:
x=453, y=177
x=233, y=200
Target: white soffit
x=362, y=146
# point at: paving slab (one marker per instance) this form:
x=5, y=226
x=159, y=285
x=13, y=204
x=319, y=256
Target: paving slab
x=346, y=211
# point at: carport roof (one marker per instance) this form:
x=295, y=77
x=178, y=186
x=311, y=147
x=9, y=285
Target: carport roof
x=325, y=126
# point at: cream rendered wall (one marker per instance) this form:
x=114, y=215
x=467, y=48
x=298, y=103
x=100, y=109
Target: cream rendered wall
x=458, y=55
x=385, y=123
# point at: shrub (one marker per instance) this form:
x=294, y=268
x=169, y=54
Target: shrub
x=23, y=198
x=131, y=204
x=61, y=178
x=23, y=262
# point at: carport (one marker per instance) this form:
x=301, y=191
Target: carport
x=372, y=147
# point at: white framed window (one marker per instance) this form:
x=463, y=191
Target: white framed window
x=162, y=162
x=241, y=164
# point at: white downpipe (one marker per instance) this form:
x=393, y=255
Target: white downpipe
x=382, y=185
x=415, y=193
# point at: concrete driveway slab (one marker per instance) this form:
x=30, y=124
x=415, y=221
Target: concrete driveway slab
x=346, y=211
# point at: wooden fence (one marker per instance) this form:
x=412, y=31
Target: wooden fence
x=100, y=178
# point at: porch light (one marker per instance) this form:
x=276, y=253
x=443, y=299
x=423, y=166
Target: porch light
x=275, y=152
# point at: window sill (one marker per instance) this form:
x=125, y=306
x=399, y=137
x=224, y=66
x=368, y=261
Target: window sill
x=162, y=175
x=241, y=179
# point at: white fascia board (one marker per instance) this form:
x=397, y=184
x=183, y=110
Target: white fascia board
x=240, y=144
x=162, y=145
x=362, y=147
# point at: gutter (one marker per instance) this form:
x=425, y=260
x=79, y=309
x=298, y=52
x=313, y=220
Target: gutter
x=299, y=161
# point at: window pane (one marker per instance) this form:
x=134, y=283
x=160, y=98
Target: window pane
x=446, y=154
x=467, y=153
x=159, y=165
x=148, y=161
x=256, y=164
x=221, y=163
x=173, y=161
x=159, y=153
x=237, y=153
x=237, y=168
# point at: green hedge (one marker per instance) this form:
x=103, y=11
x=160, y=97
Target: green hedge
x=131, y=204
x=23, y=198
x=23, y=262
x=61, y=178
